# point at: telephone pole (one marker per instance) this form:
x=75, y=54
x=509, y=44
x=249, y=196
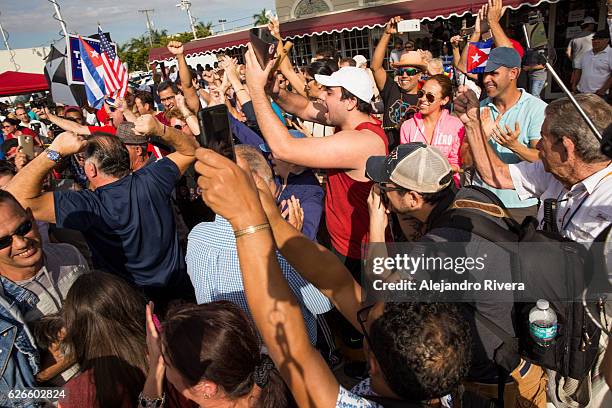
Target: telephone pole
x=185, y=5
x=149, y=25
x=223, y=21
x=8, y=48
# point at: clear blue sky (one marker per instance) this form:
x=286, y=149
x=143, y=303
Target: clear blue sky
x=30, y=22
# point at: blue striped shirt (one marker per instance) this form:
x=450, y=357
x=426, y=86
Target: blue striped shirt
x=214, y=269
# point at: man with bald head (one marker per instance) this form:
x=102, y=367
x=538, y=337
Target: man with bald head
x=126, y=218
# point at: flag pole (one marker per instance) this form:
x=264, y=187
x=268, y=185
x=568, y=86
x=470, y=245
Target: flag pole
x=567, y=92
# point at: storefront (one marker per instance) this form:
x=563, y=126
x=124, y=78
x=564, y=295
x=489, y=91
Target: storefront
x=357, y=31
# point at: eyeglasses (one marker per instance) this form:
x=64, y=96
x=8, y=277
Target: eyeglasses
x=179, y=126
x=407, y=71
x=429, y=96
x=21, y=231
x=386, y=188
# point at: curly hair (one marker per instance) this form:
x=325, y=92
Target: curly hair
x=424, y=349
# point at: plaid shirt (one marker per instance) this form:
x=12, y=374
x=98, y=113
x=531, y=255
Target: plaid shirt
x=214, y=269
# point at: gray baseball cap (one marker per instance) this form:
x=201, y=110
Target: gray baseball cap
x=413, y=166
x=503, y=57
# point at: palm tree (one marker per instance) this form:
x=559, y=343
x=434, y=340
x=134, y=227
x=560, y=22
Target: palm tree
x=261, y=18
x=203, y=29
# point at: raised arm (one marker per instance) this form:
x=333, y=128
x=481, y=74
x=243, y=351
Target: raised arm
x=26, y=186
x=184, y=145
x=491, y=169
x=298, y=105
x=324, y=152
x=480, y=17
x=494, y=14
x=272, y=304
x=380, y=75
x=67, y=125
x=193, y=101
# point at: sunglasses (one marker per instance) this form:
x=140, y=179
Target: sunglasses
x=407, y=71
x=429, y=96
x=21, y=231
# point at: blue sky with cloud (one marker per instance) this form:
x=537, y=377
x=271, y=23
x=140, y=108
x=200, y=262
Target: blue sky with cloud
x=30, y=22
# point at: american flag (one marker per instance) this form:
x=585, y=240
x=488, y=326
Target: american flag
x=115, y=74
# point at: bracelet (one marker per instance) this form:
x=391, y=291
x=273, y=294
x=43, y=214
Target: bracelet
x=146, y=402
x=251, y=230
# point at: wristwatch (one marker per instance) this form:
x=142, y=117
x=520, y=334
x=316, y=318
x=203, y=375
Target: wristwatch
x=53, y=155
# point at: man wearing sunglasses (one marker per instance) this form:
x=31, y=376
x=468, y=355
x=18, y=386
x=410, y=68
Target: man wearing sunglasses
x=36, y=276
x=399, y=98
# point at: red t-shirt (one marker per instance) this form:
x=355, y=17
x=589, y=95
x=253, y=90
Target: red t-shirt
x=346, y=204
x=106, y=129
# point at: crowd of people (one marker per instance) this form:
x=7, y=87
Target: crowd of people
x=140, y=269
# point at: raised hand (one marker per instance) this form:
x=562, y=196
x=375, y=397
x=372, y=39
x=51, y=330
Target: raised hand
x=495, y=11
x=147, y=125
x=175, y=47
x=68, y=143
x=256, y=77
x=391, y=27
x=221, y=178
x=466, y=105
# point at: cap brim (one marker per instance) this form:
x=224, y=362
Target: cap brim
x=376, y=169
x=491, y=66
x=326, y=80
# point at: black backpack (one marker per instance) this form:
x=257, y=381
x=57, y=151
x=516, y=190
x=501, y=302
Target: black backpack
x=574, y=350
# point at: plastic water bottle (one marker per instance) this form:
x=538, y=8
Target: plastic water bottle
x=543, y=323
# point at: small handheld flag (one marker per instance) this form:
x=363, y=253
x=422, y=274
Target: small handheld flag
x=477, y=56
x=93, y=74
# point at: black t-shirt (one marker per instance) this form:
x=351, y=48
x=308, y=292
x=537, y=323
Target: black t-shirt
x=129, y=224
x=399, y=106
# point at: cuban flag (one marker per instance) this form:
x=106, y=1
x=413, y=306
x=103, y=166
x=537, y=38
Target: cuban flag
x=477, y=56
x=93, y=74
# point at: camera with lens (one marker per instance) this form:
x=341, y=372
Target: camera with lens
x=42, y=102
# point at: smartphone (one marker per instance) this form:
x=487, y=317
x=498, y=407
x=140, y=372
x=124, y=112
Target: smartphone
x=215, y=131
x=409, y=26
x=27, y=145
x=264, y=45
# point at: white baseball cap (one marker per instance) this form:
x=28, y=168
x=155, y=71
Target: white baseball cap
x=360, y=59
x=353, y=79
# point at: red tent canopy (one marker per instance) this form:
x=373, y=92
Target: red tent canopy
x=17, y=83
x=369, y=17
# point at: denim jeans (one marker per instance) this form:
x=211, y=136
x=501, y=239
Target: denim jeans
x=536, y=87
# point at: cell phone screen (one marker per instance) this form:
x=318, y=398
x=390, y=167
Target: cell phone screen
x=215, y=132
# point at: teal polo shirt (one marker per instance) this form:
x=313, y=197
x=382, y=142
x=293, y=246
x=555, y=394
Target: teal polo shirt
x=529, y=113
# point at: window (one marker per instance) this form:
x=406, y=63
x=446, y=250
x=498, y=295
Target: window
x=301, y=53
x=237, y=53
x=356, y=42
x=329, y=41
x=304, y=8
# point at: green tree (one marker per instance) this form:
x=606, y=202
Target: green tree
x=135, y=53
x=261, y=18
